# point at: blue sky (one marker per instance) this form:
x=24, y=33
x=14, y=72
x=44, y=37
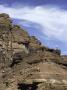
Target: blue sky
x=46, y=19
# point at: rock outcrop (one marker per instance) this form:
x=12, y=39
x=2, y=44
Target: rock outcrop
x=32, y=66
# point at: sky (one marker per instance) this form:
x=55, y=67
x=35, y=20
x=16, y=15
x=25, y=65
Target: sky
x=45, y=19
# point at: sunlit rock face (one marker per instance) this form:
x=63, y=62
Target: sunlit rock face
x=26, y=64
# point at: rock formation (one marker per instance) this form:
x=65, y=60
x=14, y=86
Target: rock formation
x=28, y=65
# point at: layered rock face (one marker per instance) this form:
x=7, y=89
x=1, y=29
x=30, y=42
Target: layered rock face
x=28, y=65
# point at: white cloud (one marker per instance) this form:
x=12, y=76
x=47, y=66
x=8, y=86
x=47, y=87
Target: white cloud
x=53, y=20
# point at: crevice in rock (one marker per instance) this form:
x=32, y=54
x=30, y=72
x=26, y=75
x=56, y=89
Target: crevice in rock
x=23, y=86
x=16, y=59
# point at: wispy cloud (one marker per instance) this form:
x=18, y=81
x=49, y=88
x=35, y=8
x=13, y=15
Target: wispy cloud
x=53, y=20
